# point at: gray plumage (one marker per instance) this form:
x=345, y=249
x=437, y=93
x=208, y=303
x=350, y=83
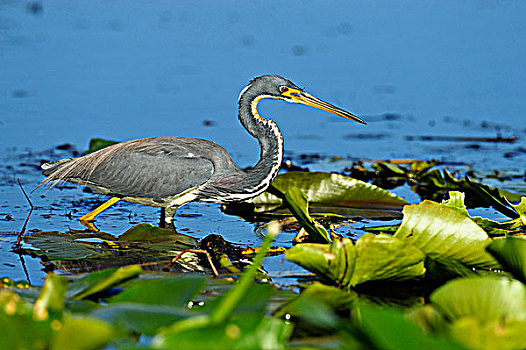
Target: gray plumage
x=171, y=171
x=163, y=167
x=157, y=167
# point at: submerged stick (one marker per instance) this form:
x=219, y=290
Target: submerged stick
x=17, y=245
x=23, y=262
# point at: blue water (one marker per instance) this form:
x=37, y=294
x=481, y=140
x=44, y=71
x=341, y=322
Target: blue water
x=123, y=70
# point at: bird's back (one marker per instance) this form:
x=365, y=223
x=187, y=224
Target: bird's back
x=158, y=167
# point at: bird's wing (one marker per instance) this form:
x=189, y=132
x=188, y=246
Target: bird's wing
x=148, y=168
x=150, y=176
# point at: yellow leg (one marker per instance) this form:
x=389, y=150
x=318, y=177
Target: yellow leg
x=87, y=220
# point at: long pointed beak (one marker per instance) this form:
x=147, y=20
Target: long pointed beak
x=309, y=100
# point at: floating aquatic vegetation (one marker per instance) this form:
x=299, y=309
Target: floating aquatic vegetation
x=371, y=258
x=399, y=288
x=328, y=194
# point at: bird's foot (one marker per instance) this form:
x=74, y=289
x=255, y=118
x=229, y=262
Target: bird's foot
x=89, y=224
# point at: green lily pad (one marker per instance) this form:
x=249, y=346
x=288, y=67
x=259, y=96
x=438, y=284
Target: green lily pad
x=45, y=325
x=511, y=253
x=297, y=203
x=521, y=210
x=147, y=232
x=385, y=328
x=389, y=169
x=487, y=299
x=485, y=313
x=492, y=228
x=326, y=190
x=85, y=252
x=445, y=235
x=389, y=229
x=434, y=182
x=495, y=197
x=104, y=280
x=82, y=333
x=456, y=202
x=141, y=318
x=427, y=318
x=58, y=246
x=20, y=328
x=493, y=335
x=80, y=283
x=97, y=143
x=240, y=332
x=171, y=290
x=372, y=258
x=318, y=305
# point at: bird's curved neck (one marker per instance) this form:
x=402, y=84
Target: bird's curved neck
x=267, y=133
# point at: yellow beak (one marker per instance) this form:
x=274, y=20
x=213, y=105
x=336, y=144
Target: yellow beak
x=307, y=99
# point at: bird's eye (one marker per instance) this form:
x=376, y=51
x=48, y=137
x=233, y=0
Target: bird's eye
x=283, y=89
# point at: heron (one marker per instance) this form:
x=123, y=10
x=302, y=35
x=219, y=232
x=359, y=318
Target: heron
x=169, y=172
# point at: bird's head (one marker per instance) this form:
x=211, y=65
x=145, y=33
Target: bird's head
x=275, y=86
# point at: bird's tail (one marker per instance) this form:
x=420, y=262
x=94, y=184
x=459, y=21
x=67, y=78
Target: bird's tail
x=51, y=170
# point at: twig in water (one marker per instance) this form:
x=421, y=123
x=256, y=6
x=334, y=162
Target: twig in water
x=24, y=267
x=196, y=251
x=17, y=245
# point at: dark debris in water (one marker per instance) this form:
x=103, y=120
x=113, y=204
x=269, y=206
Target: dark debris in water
x=515, y=152
x=35, y=8
x=288, y=165
x=368, y=136
x=497, y=139
x=20, y=93
x=6, y=217
x=429, y=179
